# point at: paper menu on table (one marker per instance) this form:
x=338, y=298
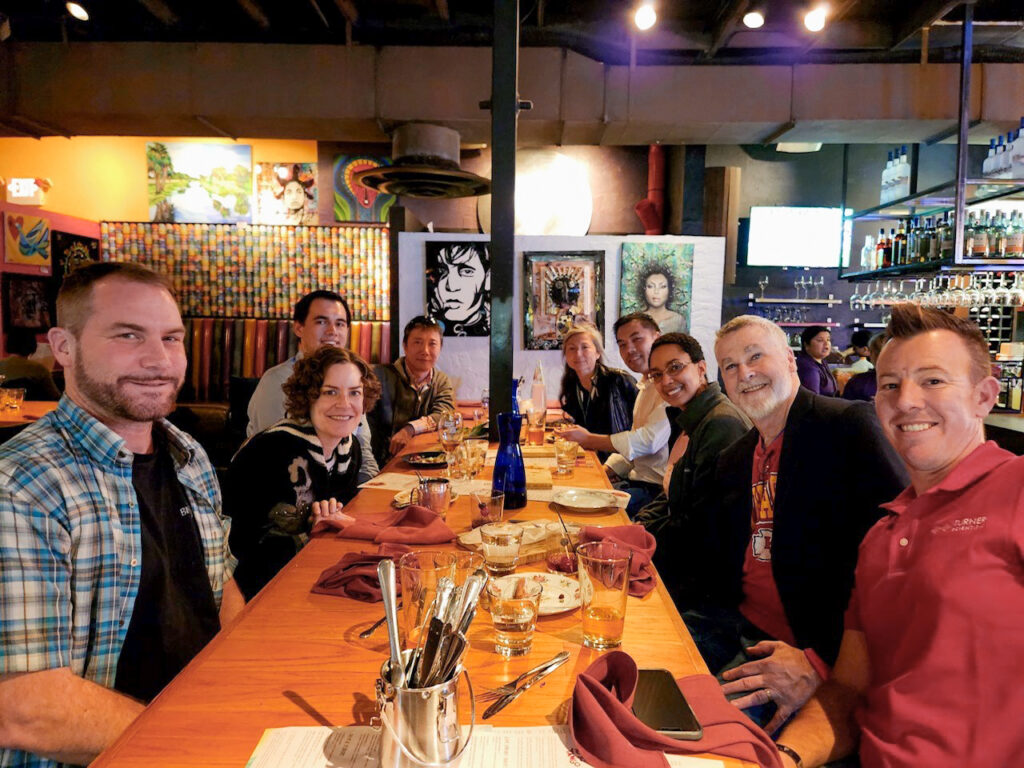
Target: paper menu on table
x=358, y=746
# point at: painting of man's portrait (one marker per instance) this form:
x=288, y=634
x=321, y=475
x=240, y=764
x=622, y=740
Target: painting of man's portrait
x=560, y=288
x=459, y=287
x=28, y=302
x=657, y=278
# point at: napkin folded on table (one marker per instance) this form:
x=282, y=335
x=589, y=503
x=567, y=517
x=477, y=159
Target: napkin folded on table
x=355, y=575
x=608, y=735
x=638, y=539
x=414, y=524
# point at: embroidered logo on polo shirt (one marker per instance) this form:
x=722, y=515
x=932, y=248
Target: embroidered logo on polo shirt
x=185, y=511
x=961, y=525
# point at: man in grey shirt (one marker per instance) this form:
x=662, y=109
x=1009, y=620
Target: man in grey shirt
x=320, y=318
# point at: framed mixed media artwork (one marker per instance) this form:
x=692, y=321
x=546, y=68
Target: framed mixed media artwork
x=354, y=202
x=286, y=193
x=71, y=252
x=28, y=302
x=657, y=278
x=27, y=240
x=459, y=287
x=560, y=288
x=199, y=183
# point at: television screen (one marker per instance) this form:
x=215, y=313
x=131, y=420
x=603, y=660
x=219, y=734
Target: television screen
x=792, y=236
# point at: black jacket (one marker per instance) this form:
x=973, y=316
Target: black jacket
x=610, y=408
x=835, y=469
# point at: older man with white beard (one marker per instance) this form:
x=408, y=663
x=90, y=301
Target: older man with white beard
x=787, y=525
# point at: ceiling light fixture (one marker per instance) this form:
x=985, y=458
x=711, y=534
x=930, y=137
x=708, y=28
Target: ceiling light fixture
x=753, y=19
x=814, y=19
x=645, y=17
x=78, y=11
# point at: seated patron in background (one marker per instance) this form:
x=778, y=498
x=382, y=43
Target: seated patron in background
x=640, y=453
x=19, y=371
x=113, y=551
x=863, y=386
x=786, y=528
x=320, y=319
x=287, y=478
x=598, y=398
x=712, y=423
x=858, y=357
x=814, y=373
x=413, y=392
x=931, y=663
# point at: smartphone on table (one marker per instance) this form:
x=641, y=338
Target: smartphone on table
x=661, y=706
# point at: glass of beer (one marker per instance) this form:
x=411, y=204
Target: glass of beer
x=418, y=573
x=603, y=568
x=501, y=542
x=514, y=603
x=535, y=432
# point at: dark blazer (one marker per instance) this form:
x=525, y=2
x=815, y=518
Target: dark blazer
x=611, y=407
x=835, y=469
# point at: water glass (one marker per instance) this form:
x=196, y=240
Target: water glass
x=514, y=604
x=465, y=564
x=477, y=452
x=15, y=397
x=603, y=568
x=501, y=543
x=418, y=573
x=565, y=456
x=435, y=493
x=488, y=507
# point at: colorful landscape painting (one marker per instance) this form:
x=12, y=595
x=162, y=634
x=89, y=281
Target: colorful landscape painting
x=27, y=240
x=201, y=183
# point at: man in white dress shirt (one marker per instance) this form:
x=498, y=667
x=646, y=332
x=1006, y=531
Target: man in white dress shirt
x=641, y=454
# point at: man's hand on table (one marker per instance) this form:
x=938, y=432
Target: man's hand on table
x=400, y=439
x=784, y=676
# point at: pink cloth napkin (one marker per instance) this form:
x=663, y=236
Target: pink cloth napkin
x=413, y=525
x=637, y=538
x=355, y=575
x=608, y=734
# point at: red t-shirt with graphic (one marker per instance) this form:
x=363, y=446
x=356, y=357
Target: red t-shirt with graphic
x=761, y=603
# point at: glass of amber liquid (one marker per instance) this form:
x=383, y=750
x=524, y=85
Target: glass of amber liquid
x=604, y=585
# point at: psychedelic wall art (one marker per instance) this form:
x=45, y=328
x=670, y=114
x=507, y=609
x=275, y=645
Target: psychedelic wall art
x=286, y=193
x=352, y=201
x=203, y=183
x=560, y=288
x=459, y=287
x=28, y=302
x=657, y=278
x=27, y=240
x=71, y=252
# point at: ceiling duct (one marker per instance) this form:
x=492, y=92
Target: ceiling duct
x=425, y=163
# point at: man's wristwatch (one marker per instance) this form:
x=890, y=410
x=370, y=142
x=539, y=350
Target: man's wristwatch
x=791, y=752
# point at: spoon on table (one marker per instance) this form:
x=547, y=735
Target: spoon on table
x=389, y=591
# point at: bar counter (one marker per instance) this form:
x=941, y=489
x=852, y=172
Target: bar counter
x=293, y=658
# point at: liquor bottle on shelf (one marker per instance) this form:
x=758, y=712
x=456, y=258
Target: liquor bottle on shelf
x=986, y=165
x=868, y=262
x=899, y=246
x=902, y=185
x=947, y=237
x=997, y=237
x=1015, y=237
x=883, y=251
x=1017, y=154
x=933, y=242
x=884, y=195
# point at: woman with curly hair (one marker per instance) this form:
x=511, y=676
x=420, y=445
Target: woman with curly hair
x=595, y=396
x=655, y=288
x=301, y=470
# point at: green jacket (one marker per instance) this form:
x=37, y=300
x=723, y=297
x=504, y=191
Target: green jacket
x=400, y=403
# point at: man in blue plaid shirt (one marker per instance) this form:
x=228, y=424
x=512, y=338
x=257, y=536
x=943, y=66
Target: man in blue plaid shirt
x=114, y=563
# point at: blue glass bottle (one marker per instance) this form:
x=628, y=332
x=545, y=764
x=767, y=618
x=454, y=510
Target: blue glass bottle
x=509, y=470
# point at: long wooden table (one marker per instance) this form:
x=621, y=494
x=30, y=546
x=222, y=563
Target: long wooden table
x=294, y=658
x=30, y=411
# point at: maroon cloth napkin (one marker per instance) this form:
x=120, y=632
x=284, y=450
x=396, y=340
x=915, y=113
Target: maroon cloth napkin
x=413, y=525
x=608, y=734
x=637, y=538
x=355, y=575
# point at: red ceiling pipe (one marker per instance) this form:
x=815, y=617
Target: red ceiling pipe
x=651, y=209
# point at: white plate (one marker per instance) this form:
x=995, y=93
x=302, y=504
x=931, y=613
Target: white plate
x=559, y=593
x=582, y=500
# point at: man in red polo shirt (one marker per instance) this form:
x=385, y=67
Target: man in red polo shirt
x=930, y=667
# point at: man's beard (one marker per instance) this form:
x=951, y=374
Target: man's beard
x=113, y=398
x=764, y=403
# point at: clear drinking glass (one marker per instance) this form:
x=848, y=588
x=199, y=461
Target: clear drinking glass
x=514, y=604
x=418, y=573
x=604, y=585
x=488, y=507
x=15, y=397
x=535, y=432
x=465, y=564
x=565, y=456
x=501, y=543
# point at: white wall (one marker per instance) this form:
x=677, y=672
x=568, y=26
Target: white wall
x=464, y=359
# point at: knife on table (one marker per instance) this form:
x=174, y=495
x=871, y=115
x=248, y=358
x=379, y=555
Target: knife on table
x=504, y=701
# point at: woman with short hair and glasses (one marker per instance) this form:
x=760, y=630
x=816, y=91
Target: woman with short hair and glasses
x=710, y=423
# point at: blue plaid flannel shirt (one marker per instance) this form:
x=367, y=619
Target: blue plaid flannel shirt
x=70, y=545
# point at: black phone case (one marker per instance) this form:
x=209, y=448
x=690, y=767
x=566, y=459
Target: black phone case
x=659, y=704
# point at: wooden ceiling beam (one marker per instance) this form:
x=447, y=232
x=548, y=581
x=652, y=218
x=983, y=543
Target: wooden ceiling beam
x=725, y=25
x=161, y=10
x=348, y=9
x=926, y=14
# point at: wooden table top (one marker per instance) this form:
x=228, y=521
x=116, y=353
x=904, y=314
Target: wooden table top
x=295, y=659
x=30, y=411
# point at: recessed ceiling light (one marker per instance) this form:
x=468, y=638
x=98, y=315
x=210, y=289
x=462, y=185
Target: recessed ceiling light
x=78, y=11
x=814, y=19
x=645, y=16
x=753, y=20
